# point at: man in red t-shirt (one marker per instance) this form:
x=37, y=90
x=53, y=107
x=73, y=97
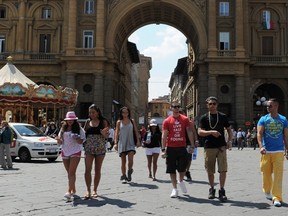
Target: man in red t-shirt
x=174, y=131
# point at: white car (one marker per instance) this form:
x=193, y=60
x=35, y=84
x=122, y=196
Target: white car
x=30, y=142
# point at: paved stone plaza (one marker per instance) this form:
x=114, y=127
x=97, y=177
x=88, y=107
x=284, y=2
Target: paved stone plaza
x=37, y=188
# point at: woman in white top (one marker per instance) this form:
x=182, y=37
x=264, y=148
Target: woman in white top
x=71, y=137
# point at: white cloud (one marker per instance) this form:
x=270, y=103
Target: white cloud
x=171, y=42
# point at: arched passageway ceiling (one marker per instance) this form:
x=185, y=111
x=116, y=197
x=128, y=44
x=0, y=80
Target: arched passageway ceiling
x=183, y=15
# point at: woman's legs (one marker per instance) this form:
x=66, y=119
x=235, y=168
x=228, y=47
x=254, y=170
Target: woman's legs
x=123, y=164
x=130, y=160
x=74, y=161
x=88, y=167
x=154, y=160
x=98, y=165
x=149, y=163
x=130, y=165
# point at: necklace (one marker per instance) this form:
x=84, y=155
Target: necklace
x=209, y=118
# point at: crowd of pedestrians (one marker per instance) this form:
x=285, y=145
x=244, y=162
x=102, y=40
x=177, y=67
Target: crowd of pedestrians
x=175, y=142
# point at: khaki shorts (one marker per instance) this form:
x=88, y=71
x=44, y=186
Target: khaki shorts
x=215, y=154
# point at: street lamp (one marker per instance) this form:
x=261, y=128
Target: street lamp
x=262, y=102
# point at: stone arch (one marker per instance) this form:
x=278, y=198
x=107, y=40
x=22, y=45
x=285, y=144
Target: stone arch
x=257, y=10
x=268, y=90
x=59, y=11
x=124, y=18
x=12, y=7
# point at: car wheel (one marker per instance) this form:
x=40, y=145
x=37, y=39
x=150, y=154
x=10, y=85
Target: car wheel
x=24, y=155
x=52, y=159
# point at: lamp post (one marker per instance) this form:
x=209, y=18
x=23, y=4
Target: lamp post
x=261, y=102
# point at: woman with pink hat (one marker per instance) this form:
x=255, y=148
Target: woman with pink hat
x=71, y=136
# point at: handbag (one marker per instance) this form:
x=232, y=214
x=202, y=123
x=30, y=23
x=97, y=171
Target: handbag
x=134, y=133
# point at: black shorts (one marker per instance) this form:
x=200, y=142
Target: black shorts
x=177, y=159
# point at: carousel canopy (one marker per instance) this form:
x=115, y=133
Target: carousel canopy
x=16, y=87
x=10, y=74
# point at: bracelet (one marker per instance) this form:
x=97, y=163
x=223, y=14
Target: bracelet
x=164, y=149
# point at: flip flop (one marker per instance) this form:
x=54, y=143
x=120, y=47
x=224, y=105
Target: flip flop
x=94, y=195
x=87, y=196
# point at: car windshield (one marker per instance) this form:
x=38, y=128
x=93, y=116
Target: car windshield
x=28, y=130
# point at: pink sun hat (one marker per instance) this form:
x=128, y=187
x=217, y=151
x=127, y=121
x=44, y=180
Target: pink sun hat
x=71, y=116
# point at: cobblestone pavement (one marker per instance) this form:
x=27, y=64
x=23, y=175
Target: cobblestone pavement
x=37, y=188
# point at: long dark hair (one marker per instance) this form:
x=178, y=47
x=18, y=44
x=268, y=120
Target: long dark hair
x=121, y=110
x=100, y=115
x=75, y=127
x=97, y=109
x=157, y=129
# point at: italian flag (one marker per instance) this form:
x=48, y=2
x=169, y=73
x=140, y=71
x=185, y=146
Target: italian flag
x=267, y=23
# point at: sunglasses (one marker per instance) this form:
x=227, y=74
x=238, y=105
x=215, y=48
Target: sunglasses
x=177, y=106
x=212, y=104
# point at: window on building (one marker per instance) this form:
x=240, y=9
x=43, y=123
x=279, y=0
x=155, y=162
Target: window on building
x=46, y=13
x=267, y=45
x=266, y=20
x=2, y=43
x=224, y=41
x=88, y=39
x=89, y=7
x=2, y=12
x=224, y=8
x=45, y=43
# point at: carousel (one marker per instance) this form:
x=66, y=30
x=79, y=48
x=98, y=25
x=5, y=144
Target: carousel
x=22, y=100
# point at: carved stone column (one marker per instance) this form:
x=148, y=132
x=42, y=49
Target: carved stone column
x=72, y=27
x=21, y=27
x=70, y=79
x=100, y=28
x=98, y=89
x=240, y=100
x=212, y=48
x=212, y=85
x=239, y=29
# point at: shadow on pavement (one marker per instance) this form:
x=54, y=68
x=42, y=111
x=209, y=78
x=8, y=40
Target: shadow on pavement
x=37, y=161
x=101, y=201
x=216, y=202
x=149, y=186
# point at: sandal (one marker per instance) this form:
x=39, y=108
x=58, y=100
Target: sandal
x=94, y=195
x=87, y=196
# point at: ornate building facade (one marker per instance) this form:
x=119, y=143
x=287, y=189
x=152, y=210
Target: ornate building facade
x=238, y=49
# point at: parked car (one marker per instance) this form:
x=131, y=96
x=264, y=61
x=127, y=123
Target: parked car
x=30, y=142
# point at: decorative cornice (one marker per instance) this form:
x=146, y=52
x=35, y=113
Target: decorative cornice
x=201, y=4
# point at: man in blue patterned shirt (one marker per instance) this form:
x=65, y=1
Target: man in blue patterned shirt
x=272, y=138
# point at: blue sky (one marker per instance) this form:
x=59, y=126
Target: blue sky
x=165, y=45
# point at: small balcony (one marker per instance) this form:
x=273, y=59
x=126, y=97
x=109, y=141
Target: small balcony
x=226, y=53
x=269, y=59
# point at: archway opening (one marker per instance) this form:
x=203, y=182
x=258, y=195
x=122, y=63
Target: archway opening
x=262, y=95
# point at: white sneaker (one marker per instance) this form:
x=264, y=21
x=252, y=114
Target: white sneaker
x=68, y=196
x=174, y=193
x=268, y=196
x=277, y=203
x=182, y=186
